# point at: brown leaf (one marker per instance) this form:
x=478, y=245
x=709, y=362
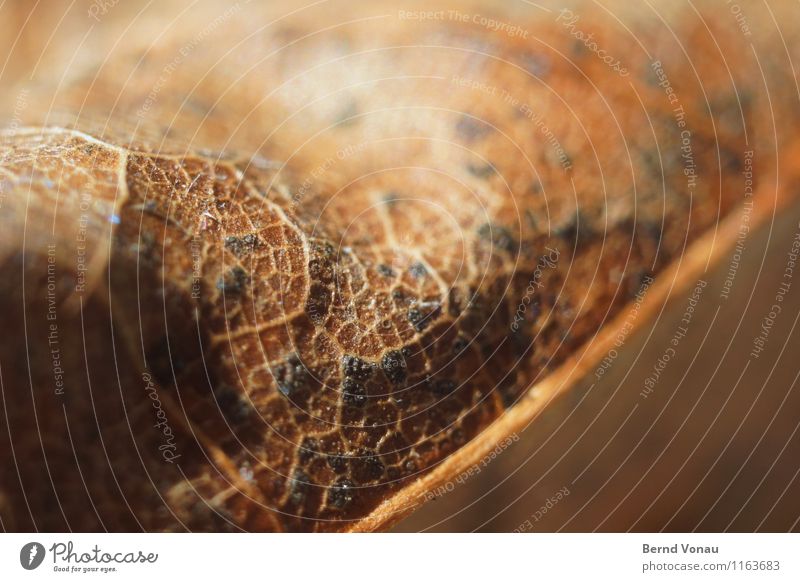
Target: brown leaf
x=295, y=278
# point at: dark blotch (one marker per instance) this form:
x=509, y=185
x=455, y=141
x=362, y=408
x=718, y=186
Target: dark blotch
x=321, y=265
x=520, y=340
x=418, y=270
x=367, y=467
x=234, y=281
x=89, y=148
x=165, y=361
x=417, y=319
x=299, y=485
x=341, y=493
x=499, y=237
x=391, y=198
x=348, y=115
x=454, y=302
x=235, y=409
x=509, y=392
x=393, y=365
x=443, y=386
x=471, y=129
x=353, y=393
x=385, y=270
x=535, y=64
x=291, y=376
x=318, y=303
x=460, y=344
x=309, y=449
x=458, y=438
x=337, y=462
x=637, y=282
x=481, y=170
x=422, y=314
x=355, y=367
x=651, y=230
x=576, y=230
x=240, y=246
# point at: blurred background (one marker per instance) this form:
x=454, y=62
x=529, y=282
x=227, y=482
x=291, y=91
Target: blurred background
x=708, y=443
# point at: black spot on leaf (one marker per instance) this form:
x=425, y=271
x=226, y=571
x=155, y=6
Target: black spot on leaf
x=318, y=303
x=385, y=270
x=443, y=386
x=233, y=406
x=471, y=129
x=460, y=344
x=422, y=314
x=353, y=393
x=291, y=376
x=393, y=365
x=241, y=246
x=337, y=462
x=355, y=367
x=299, y=486
x=576, y=230
x=499, y=237
x=481, y=170
x=342, y=493
x=418, y=270
x=309, y=449
x=367, y=467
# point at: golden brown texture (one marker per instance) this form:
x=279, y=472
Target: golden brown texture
x=295, y=267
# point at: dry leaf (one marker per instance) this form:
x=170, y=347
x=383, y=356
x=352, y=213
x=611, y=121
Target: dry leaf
x=269, y=271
